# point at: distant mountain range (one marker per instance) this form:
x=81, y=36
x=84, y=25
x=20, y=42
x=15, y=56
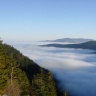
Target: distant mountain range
x=86, y=45
x=69, y=40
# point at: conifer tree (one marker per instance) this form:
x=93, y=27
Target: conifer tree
x=3, y=79
x=65, y=93
x=43, y=85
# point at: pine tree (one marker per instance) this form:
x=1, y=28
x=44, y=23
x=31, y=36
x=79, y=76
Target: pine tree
x=17, y=79
x=43, y=85
x=3, y=79
x=65, y=93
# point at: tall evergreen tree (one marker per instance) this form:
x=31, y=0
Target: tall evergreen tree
x=3, y=79
x=43, y=85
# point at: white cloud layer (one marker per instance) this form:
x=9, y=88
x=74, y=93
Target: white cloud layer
x=75, y=69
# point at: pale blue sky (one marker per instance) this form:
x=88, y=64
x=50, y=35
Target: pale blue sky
x=47, y=19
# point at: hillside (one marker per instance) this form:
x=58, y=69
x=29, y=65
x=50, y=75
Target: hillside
x=20, y=76
x=87, y=45
x=69, y=40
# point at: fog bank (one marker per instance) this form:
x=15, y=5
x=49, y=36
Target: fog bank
x=74, y=69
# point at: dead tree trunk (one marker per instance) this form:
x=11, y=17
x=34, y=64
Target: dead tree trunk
x=12, y=73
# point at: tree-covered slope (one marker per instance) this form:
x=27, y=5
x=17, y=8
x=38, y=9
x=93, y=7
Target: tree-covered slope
x=12, y=79
x=87, y=45
x=27, y=65
x=20, y=76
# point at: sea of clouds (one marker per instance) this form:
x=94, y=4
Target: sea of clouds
x=74, y=69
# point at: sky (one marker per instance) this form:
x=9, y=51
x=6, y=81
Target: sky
x=27, y=20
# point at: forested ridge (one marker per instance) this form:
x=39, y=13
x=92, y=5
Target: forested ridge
x=87, y=45
x=20, y=76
